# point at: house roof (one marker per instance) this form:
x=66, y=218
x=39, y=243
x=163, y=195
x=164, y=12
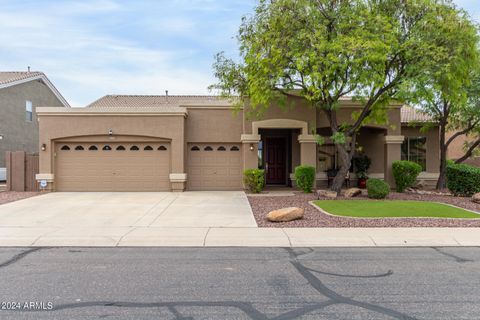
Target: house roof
x=138, y=101
x=142, y=102
x=12, y=78
x=410, y=114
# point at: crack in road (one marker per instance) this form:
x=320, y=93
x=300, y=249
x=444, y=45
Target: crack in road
x=248, y=308
x=451, y=255
x=19, y=256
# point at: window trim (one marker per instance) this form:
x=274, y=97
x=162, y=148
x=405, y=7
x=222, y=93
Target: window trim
x=28, y=111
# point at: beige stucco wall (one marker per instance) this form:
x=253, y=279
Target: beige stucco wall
x=373, y=145
x=63, y=127
x=19, y=134
x=433, y=145
x=213, y=125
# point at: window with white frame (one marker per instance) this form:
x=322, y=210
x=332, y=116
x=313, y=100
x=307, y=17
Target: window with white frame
x=415, y=149
x=28, y=111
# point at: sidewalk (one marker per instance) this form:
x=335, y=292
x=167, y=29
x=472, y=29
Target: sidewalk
x=237, y=237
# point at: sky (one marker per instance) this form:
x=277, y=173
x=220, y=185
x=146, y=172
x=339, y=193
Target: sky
x=90, y=48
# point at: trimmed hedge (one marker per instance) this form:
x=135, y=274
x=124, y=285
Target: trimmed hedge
x=405, y=174
x=463, y=180
x=377, y=189
x=305, y=178
x=254, y=180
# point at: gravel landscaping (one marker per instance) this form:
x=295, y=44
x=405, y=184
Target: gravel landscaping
x=10, y=196
x=313, y=218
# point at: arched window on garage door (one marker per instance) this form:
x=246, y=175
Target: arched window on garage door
x=148, y=148
x=162, y=148
x=93, y=148
x=120, y=148
x=65, y=148
x=208, y=148
x=195, y=148
x=234, y=148
x=221, y=148
x=134, y=148
x=79, y=148
x=107, y=148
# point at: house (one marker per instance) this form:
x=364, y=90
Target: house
x=177, y=143
x=20, y=93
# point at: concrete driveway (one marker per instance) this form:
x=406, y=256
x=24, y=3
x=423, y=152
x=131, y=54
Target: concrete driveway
x=129, y=209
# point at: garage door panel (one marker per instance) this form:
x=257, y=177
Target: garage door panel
x=215, y=169
x=112, y=170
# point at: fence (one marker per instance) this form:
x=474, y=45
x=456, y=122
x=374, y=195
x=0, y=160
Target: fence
x=21, y=171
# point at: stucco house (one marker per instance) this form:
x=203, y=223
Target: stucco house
x=20, y=93
x=177, y=143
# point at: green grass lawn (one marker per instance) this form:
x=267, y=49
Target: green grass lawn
x=392, y=209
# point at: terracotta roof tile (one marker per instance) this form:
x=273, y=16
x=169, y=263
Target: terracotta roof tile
x=410, y=114
x=12, y=76
x=156, y=101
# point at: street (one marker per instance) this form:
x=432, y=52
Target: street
x=240, y=283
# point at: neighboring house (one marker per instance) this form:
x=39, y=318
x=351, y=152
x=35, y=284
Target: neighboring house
x=20, y=94
x=164, y=143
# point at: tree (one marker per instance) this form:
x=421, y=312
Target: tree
x=449, y=90
x=323, y=50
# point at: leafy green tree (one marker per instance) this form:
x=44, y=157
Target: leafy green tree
x=449, y=90
x=323, y=50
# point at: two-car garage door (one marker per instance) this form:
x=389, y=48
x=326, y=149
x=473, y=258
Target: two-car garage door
x=112, y=166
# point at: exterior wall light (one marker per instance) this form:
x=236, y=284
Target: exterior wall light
x=110, y=132
x=44, y=147
x=1, y=136
x=252, y=147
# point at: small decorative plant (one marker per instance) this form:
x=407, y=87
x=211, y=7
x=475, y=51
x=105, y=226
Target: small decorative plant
x=305, y=178
x=377, y=189
x=362, y=163
x=405, y=174
x=254, y=180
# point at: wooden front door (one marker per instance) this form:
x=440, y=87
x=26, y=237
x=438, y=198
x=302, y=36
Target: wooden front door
x=275, y=160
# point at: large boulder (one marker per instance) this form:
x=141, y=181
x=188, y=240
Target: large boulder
x=327, y=194
x=476, y=198
x=352, y=192
x=285, y=214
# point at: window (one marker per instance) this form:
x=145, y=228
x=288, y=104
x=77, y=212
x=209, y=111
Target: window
x=415, y=149
x=28, y=111
x=65, y=148
x=162, y=148
x=148, y=148
x=120, y=148
x=195, y=148
x=79, y=148
x=208, y=148
x=134, y=148
x=221, y=148
x=234, y=148
x=93, y=148
x=107, y=148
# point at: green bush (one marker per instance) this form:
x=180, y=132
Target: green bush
x=361, y=163
x=405, y=174
x=377, y=189
x=463, y=180
x=305, y=178
x=254, y=180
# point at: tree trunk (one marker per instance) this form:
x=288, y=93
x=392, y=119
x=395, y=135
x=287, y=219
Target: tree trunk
x=441, y=182
x=469, y=152
x=345, y=157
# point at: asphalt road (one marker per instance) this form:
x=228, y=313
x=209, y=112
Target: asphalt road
x=240, y=283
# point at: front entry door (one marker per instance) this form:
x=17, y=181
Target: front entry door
x=275, y=160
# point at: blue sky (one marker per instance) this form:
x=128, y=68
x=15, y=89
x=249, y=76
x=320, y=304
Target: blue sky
x=90, y=48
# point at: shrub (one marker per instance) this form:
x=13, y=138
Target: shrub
x=377, y=189
x=362, y=164
x=305, y=177
x=254, y=180
x=463, y=180
x=405, y=174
